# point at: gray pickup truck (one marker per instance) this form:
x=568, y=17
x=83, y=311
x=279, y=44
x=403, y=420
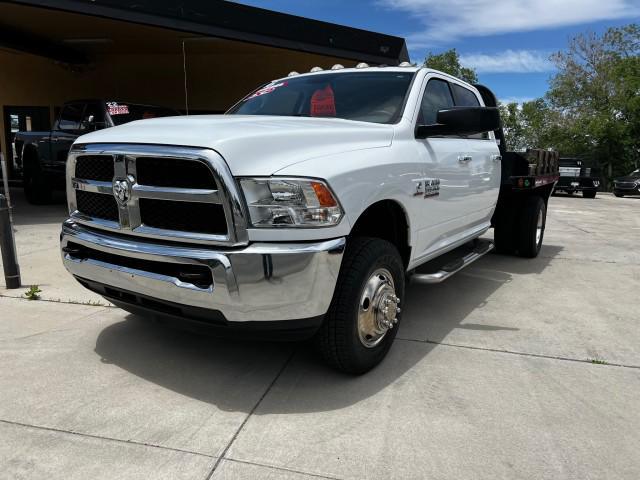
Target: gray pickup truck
x=41, y=157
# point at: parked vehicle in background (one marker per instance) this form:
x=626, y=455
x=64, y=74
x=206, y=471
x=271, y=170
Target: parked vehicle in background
x=302, y=211
x=629, y=185
x=577, y=176
x=41, y=157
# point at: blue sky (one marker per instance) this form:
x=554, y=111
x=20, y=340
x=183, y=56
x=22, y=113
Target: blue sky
x=507, y=41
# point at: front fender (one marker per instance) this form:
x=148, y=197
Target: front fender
x=365, y=177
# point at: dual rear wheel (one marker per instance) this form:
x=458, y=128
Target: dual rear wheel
x=521, y=229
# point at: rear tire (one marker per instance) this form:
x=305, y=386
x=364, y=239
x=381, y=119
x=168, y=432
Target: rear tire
x=504, y=239
x=533, y=221
x=372, y=272
x=589, y=193
x=37, y=189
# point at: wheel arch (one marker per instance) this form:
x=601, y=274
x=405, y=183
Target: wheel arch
x=29, y=154
x=373, y=222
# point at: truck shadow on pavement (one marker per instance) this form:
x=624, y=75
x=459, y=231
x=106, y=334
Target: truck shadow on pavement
x=232, y=375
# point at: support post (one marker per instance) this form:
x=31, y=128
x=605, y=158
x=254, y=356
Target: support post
x=8, y=247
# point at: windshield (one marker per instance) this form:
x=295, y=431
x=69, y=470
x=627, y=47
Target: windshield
x=122, y=113
x=364, y=96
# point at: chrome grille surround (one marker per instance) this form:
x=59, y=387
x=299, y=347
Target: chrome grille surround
x=124, y=156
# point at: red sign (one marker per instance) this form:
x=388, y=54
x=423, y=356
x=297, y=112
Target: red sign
x=323, y=103
x=115, y=109
x=268, y=89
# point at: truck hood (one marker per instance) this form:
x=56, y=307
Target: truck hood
x=252, y=144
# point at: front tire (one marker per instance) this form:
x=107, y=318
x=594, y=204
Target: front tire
x=618, y=194
x=532, y=225
x=589, y=193
x=362, y=321
x=37, y=189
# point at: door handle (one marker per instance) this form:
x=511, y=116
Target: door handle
x=465, y=158
x=496, y=158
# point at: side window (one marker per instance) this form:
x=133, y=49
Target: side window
x=466, y=98
x=437, y=96
x=71, y=116
x=93, y=117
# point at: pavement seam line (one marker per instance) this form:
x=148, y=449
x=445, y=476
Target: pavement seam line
x=98, y=437
x=246, y=419
x=65, y=302
x=283, y=469
x=521, y=354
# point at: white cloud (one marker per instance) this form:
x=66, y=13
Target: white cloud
x=445, y=20
x=509, y=61
x=518, y=100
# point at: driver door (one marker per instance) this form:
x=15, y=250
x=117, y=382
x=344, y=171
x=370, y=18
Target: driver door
x=445, y=161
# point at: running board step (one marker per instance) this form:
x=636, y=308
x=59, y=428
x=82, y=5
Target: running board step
x=480, y=249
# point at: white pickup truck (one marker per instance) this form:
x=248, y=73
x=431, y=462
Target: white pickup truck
x=304, y=210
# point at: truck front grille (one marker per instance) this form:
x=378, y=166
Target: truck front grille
x=183, y=216
x=97, y=205
x=174, y=172
x=95, y=167
x=171, y=193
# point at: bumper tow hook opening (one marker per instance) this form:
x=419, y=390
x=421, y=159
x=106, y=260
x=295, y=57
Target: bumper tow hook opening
x=200, y=280
x=73, y=251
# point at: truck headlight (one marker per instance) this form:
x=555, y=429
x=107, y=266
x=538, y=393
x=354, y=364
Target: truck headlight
x=290, y=202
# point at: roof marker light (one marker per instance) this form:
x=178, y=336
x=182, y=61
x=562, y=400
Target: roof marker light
x=293, y=74
x=362, y=65
x=316, y=69
x=406, y=64
x=337, y=66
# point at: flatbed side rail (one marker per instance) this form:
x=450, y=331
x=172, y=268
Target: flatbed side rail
x=530, y=182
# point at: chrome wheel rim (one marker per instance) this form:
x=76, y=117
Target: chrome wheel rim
x=378, y=309
x=539, y=226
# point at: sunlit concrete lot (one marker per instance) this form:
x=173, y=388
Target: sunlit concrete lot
x=512, y=369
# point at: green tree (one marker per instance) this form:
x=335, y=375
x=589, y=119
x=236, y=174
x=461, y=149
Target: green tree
x=595, y=94
x=449, y=62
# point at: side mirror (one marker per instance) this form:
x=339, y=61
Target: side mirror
x=461, y=121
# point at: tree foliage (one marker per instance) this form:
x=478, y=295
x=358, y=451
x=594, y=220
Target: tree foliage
x=449, y=62
x=592, y=108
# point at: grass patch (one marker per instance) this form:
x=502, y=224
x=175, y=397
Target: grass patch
x=33, y=293
x=598, y=361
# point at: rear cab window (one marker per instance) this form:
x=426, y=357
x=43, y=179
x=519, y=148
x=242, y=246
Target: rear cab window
x=71, y=117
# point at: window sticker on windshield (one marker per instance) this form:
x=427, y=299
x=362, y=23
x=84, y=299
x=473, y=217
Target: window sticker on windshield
x=323, y=103
x=268, y=89
x=116, y=109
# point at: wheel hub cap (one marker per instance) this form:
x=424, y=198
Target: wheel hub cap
x=539, y=227
x=379, y=308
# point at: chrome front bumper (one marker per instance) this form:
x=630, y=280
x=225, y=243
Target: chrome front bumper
x=260, y=282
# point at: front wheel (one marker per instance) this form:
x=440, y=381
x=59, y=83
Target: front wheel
x=589, y=193
x=37, y=189
x=533, y=221
x=362, y=320
x=618, y=194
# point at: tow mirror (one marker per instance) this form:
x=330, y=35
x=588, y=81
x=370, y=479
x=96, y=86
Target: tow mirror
x=461, y=121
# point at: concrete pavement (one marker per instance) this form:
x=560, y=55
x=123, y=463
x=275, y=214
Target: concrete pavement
x=491, y=377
